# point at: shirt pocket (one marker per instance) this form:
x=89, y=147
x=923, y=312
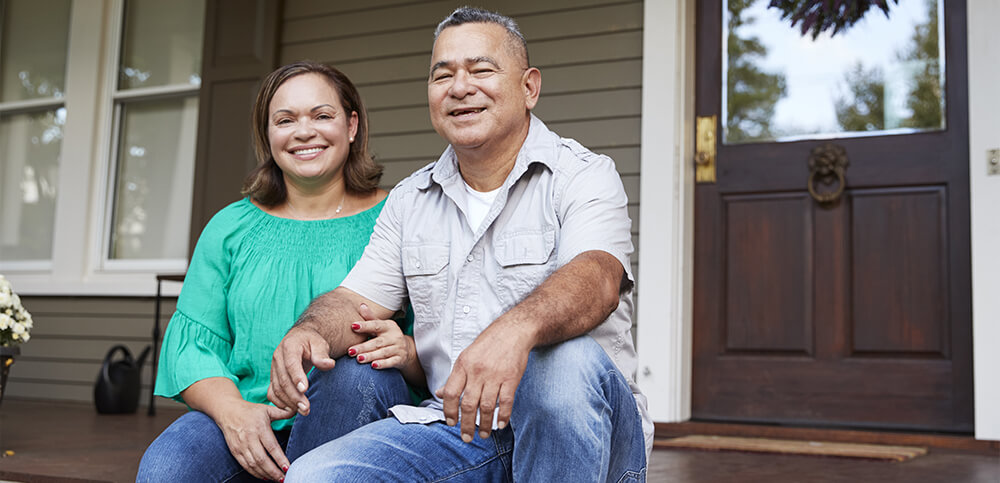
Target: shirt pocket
x=425, y=270
x=525, y=260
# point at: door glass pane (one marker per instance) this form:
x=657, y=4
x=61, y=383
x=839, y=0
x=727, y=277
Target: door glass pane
x=154, y=180
x=881, y=75
x=30, y=145
x=161, y=44
x=33, y=43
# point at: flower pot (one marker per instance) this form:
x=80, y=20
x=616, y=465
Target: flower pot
x=6, y=360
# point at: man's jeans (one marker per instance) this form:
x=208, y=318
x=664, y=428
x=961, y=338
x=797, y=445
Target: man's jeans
x=350, y=395
x=574, y=419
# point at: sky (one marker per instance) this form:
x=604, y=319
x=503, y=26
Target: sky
x=814, y=69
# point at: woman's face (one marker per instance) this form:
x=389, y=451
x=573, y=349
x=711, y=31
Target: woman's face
x=309, y=132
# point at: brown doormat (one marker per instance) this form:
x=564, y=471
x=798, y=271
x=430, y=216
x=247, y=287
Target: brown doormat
x=784, y=446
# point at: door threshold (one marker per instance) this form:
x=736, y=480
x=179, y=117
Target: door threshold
x=752, y=430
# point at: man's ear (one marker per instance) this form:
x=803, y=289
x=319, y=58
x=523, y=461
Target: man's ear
x=532, y=82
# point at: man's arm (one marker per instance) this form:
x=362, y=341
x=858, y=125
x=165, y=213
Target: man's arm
x=322, y=333
x=572, y=301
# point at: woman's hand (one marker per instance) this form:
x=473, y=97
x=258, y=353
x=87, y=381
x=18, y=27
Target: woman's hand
x=245, y=425
x=247, y=429
x=386, y=347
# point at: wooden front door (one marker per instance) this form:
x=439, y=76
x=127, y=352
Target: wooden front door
x=854, y=312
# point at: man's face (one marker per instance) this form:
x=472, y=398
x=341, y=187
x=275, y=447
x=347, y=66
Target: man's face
x=477, y=90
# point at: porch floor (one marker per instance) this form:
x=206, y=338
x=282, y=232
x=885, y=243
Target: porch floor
x=70, y=442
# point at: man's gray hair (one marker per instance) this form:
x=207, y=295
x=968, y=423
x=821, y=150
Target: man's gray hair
x=464, y=15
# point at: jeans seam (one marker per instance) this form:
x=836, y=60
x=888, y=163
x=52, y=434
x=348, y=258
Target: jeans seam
x=466, y=470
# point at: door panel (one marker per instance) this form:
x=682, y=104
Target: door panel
x=854, y=313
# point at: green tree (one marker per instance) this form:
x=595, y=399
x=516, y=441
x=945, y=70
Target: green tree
x=863, y=108
x=751, y=93
x=925, y=98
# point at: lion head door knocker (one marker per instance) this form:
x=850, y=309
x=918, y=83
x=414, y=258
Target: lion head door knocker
x=827, y=166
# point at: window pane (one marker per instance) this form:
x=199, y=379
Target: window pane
x=154, y=181
x=883, y=75
x=30, y=145
x=162, y=43
x=33, y=49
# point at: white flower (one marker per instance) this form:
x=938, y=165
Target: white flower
x=15, y=336
x=15, y=299
x=27, y=321
x=18, y=328
x=26, y=337
x=5, y=321
x=5, y=298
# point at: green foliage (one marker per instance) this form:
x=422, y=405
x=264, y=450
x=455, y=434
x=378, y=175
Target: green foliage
x=864, y=108
x=925, y=98
x=751, y=93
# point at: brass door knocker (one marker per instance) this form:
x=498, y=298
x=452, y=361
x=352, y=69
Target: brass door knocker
x=827, y=164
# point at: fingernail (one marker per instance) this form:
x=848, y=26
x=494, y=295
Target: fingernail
x=355, y=326
x=282, y=480
x=364, y=306
x=484, y=435
x=467, y=438
x=501, y=424
x=302, y=406
x=361, y=358
x=285, y=469
x=351, y=352
x=375, y=365
x=450, y=422
x=302, y=387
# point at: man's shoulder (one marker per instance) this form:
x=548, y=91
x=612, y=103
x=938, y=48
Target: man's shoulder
x=566, y=155
x=416, y=180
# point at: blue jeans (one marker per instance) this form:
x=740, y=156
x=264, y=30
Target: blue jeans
x=343, y=399
x=574, y=419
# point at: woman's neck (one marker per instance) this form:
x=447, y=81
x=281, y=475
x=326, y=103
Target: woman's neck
x=315, y=202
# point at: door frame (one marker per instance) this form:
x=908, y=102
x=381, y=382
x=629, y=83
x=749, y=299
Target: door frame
x=667, y=209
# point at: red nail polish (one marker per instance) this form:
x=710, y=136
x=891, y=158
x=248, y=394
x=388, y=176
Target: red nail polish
x=351, y=352
x=284, y=468
x=361, y=358
x=375, y=365
x=355, y=326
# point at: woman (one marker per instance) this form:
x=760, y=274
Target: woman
x=310, y=209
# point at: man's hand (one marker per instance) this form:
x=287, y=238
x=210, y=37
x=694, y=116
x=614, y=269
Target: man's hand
x=247, y=429
x=300, y=349
x=485, y=376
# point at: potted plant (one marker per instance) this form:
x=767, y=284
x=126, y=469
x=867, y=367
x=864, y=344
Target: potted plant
x=15, y=328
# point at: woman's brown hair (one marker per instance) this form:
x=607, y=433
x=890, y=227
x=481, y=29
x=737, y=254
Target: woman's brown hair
x=266, y=183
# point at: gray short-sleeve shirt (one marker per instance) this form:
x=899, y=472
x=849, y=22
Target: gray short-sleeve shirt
x=559, y=201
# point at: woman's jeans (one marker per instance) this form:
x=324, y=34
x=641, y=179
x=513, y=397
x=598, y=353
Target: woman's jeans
x=341, y=400
x=574, y=419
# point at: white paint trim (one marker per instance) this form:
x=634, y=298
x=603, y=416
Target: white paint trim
x=666, y=200
x=984, y=133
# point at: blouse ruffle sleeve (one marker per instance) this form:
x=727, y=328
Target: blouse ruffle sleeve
x=198, y=341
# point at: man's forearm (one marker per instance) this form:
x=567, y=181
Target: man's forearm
x=575, y=299
x=331, y=315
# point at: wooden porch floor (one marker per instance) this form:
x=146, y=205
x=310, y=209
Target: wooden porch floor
x=69, y=442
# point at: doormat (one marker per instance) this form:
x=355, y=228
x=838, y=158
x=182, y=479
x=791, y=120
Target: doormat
x=785, y=446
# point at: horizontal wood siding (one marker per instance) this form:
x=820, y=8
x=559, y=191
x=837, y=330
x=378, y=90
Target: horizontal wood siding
x=589, y=53
x=70, y=338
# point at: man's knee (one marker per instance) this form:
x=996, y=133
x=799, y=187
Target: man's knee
x=564, y=374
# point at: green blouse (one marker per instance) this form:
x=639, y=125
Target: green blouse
x=251, y=276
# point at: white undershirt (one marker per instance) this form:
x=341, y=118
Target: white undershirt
x=478, y=205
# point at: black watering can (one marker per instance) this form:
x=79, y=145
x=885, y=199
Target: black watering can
x=118, y=383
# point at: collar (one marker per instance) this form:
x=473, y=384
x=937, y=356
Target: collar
x=540, y=146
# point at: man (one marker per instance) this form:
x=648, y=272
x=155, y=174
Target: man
x=513, y=249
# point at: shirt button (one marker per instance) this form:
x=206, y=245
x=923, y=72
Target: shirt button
x=470, y=258
x=466, y=309
x=416, y=263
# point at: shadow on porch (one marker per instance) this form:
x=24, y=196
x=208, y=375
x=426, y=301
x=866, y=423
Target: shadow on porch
x=70, y=442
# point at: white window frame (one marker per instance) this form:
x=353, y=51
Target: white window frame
x=110, y=156
x=79, y=264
